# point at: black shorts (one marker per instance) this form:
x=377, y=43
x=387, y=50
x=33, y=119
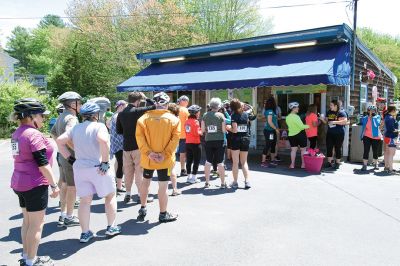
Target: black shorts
x=215, y=151
x=162, y=174
x=298, y=140
x=241, y=143
x=229, y=141
x=35, y=199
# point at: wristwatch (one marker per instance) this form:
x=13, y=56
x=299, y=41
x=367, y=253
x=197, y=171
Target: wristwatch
x=54, y=186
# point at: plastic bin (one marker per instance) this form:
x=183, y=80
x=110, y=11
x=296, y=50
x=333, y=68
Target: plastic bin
x=313, y=164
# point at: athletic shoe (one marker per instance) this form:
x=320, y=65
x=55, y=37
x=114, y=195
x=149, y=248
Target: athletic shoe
x=234, y=185
x=328, y=165
x=192, y=180
x=42, y=261
x=76, y=204
x=113, y=230
x=247, y=185
x=274, y=163
x=363, y=168
x=223, y=186
x=60, y=222
x=376, y=167
x=264, y=164
x=142, y=214
x=206, y=185
x=183, y=172
x=73, y=221
x=278, y=159
x=336, y=166
x=121, y=190
x=21, y=262
x=85, y=237
x=167, y=217
x=127, y=198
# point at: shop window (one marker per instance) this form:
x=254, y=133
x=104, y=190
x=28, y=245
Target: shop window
x=222, y=94
x=244, y=95
x=363, y=97
x=386, y=93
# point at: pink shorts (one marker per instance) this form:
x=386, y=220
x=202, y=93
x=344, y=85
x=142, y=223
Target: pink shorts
x=88, y=182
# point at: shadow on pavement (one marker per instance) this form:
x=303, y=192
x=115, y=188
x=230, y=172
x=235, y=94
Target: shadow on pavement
x=49, y=210
x=208, y=191
x=135, y=227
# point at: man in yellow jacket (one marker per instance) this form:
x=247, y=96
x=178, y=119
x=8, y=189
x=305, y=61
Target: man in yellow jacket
x=157, y=135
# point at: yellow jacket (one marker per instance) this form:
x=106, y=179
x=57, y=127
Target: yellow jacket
x=158, y=131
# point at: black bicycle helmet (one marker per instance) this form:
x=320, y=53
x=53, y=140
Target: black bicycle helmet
x=29, y=106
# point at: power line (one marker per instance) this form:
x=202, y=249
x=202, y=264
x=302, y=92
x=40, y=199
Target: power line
x=176, y=13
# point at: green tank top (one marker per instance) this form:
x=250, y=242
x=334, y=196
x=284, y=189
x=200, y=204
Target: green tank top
x=213, y=122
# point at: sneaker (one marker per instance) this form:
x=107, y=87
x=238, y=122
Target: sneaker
x=206, y=185
x=183, y=173
x=167, y=217
x=60, y=222
x=121, y=190
x=85, y=237
x=376, y=167
x=264, y=164
x=363, y=168
x=113, y=230
x=328, y=165
x=223, y=186
x=192, y=180
x=278, y=159
x=42, y=261
x=142, y=214
x=234, y=185
x=274, y=163
x=336, y=166
x=21, y=262
x=73, y=221
x=247, y=185
x=127, y=198
x=76, y=204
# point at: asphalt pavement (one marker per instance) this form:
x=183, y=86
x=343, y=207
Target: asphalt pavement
x=288, y=217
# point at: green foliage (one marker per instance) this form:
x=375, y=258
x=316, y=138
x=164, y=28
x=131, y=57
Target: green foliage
x=387, y=48
x=17, y=46
x=51, y=20
x=9, y=92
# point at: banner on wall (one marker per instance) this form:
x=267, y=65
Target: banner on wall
x=299, y=89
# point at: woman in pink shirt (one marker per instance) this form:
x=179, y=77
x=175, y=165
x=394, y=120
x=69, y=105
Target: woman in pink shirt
x=32, y=175
x=312, y=122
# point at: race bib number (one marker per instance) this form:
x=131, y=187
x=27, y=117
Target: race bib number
x=331, y=125
x=14, y=147
x=271, y=136
x=242, y=128
x=187, y=129
x=212, y=129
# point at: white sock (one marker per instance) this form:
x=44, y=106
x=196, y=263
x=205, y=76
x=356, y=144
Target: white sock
x=128, y=193
x=24, y=256
x=63, y=214
x=69, y=216
x=190, y=176
x=30, y=262
x=194, y=177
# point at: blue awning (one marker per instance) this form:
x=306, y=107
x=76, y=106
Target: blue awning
x=324, y=64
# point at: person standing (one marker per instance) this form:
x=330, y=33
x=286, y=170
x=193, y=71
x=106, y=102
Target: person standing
x=193, y=148
x=297, y=136
x=157, y=135
x=32, y=175
x=126, y=125
x=214, y=128
x=67, y=120
x=116, y=148
x=271, y=133
x=174, y=109
x=391, y=135
x=91, y=168
x=312, y=122
x=183, y=103
x=336, y=120
x=240, y=142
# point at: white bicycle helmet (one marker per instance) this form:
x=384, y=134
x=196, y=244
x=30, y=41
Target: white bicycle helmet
x=293, y=105
x=161, y=98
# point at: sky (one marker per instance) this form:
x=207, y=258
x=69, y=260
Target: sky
x=382, y=16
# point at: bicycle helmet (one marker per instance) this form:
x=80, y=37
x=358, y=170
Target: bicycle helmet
x=69, y=96
x=89, y=108
x=183, y=98
x=194, y=109
x=29, y=106
x=161, y=98
x=372, y=107
x=293, y=105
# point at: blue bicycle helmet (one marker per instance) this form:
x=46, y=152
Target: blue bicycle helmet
x=89, y=108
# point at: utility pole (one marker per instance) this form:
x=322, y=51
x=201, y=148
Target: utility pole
x=354, y=46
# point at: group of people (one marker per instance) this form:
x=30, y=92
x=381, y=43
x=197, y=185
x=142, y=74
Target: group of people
x=144, y=136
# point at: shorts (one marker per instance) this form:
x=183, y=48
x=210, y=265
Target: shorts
x=66, y=172
x=162, y=174
x=35, y=199
x=229, y=141
x=390, y=142
x=182, y=146
x=298, y=140
x=131, y=164
x=241, y=143
x=215, y=151
x=89, y=182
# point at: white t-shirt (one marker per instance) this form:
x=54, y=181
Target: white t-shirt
x=86, y=145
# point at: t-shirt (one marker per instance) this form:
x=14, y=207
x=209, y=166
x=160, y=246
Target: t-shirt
x=391, y=125
x=313, y=130
x=274, y=119
x=295, y=125
x=24, y=141
x=368, y=130
x=183, y=116
x=334, y=116
x=116, y=140
x=193, y=129
x=65, y=121
x=213, y=122
x=242, y=121
x=87, y=148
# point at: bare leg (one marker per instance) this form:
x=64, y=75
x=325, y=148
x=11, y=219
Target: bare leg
x=221, y=172
x=207, y=171
x=162, y=195
x=71, y=198
x=111, y=208
x=139, y=179
x=24, y=231
x=34, y=232
x=63, y=196
x=229, y=154
x=293, y=157
x=245, y=166
x=174, y=181
x=144, y=191
x=302, y=151
x=182, y=160
x=84, y=212
x=392, y=152
x=235, y=165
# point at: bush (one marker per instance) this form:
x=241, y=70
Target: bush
x=9, y=92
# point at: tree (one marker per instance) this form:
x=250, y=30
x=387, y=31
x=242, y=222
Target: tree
x=51, y=20
x=18, y=46
x=387, y=48
x=225, y=20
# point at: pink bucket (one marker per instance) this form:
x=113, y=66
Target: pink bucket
x=313, y=164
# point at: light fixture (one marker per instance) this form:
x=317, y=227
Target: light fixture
x=229, y=52
x=295, y=44
x=171, y=59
